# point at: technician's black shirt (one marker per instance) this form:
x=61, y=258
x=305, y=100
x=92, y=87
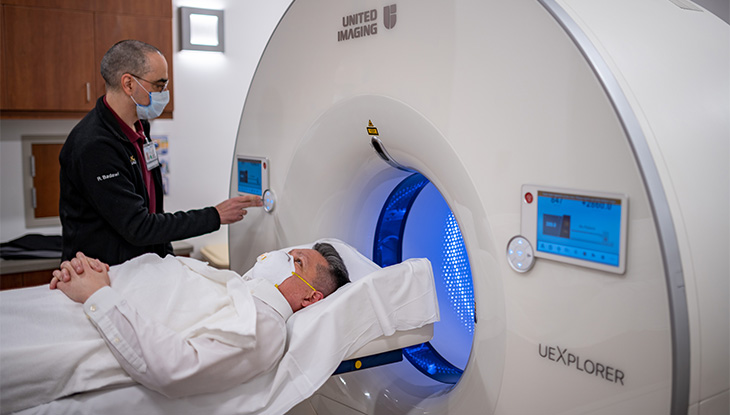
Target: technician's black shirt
x=104, y=204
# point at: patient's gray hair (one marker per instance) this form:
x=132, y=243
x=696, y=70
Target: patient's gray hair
x=334, y=277
x=127, y=56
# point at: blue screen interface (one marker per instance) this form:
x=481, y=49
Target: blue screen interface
x=577, y=226
x=249, y=176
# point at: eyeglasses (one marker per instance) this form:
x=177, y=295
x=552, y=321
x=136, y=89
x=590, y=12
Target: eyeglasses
x=305, y=281
x=159, y=86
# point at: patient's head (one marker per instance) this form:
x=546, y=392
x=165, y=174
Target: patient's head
x=322, y=271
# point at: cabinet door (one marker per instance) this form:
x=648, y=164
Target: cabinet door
x=48, y=61
x=111, y=28
x=41, y=179
x=46, y=179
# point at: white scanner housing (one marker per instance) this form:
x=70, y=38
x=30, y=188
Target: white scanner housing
x=483, y=97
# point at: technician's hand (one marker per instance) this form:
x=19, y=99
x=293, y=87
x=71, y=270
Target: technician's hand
x=62, y=274
x=234, y=209
x=81, y=286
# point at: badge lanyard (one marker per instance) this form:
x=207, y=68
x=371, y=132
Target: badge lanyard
x=150, y=154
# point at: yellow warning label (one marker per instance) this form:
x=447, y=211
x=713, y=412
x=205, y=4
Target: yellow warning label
x=371, y=128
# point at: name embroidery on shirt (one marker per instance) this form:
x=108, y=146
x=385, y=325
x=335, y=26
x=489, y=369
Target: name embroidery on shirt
x=107, y=176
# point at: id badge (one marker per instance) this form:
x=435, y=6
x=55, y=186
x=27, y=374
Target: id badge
x=150, y=155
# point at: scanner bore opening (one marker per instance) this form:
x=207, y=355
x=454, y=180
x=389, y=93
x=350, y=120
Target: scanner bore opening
x=453, y=276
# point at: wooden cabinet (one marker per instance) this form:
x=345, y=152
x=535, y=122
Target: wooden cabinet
x=51, y=50
x=48, y=59
x=149, y=8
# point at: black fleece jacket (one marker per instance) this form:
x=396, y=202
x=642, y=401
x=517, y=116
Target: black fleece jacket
x=104, y=202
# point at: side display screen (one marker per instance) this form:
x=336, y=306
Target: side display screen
x=580, y=227
x=250, y=176
x=577, y=226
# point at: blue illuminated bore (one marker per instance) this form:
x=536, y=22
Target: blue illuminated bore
x=388, y=250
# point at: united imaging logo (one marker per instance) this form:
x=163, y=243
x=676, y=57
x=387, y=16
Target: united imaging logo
x=365, y=23
x=389, y=17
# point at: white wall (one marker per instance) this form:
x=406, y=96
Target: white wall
x=210, y=89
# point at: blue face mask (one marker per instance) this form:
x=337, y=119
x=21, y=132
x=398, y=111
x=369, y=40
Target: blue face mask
x=158, y=102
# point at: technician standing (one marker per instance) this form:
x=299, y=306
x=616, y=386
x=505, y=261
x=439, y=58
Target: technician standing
x=111, y=184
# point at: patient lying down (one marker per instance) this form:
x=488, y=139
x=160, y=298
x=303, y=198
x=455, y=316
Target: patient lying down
x=173, y=325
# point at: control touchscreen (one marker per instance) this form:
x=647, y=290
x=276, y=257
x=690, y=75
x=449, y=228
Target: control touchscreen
x=577, y=226
x=250, y=175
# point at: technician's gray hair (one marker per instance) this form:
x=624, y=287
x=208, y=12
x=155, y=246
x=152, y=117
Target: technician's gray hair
x=126, y=56
x=329, y=280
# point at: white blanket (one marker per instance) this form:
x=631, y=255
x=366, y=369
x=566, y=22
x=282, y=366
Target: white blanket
x=41, y=329
x=49, y=349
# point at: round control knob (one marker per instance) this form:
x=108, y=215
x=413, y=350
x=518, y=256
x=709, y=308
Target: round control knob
x=269, y=200
x=520, y=254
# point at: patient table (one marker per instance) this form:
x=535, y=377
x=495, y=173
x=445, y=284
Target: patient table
x=381, y=310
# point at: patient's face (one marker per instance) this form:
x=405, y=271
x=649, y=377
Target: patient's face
x=296, y=291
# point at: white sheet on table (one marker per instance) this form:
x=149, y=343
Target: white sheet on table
x=49, y=349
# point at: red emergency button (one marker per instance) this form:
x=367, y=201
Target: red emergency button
x=528, y=197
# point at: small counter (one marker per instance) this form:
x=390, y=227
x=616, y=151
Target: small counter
x=19, y=273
